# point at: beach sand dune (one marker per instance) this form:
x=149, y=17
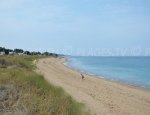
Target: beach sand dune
x=101, y=97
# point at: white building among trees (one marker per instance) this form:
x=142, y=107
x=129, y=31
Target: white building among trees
x=2, y=53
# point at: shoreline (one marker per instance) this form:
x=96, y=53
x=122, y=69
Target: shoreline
x=103, y=77
x=100, y=96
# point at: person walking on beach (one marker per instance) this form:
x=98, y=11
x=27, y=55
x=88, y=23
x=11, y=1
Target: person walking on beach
x=82, y=76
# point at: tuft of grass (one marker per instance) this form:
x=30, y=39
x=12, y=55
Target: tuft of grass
x=24, y=92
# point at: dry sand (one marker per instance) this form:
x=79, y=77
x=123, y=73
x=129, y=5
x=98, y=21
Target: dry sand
x=101, y=97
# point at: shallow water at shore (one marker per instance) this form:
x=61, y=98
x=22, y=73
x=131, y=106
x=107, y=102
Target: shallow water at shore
x=130, y=70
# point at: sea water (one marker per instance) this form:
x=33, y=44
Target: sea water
x=131, y=70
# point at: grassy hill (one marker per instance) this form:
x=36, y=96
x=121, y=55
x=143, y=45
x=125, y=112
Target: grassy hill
x=24, y=92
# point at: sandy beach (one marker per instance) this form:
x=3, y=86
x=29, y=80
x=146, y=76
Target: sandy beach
x=100, y=96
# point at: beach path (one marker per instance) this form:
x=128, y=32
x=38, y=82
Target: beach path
x=100, y=96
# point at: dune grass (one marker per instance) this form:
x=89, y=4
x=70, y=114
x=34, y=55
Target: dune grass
x=24, y=92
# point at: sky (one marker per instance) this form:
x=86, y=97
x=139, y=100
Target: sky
x=77, y=27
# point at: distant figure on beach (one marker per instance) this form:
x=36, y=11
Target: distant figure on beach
x=82, y=76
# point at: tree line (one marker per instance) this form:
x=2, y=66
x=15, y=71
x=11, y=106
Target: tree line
x=21, y=51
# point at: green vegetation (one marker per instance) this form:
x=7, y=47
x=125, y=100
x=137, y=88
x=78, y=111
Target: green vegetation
x=24, y=92
x=4, y=51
